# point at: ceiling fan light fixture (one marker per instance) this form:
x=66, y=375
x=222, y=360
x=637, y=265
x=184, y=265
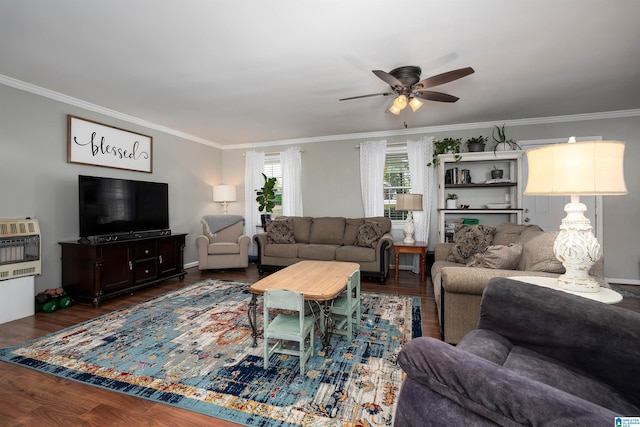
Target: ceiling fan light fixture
x=394, y=109
x=415, y=104
x=400, y=102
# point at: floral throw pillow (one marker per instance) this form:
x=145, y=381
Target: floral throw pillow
x=280, y=231
x=368, y=234
x=469, y=240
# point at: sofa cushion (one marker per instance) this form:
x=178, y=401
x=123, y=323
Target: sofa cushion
x=223, y=248
x=505, y=257
x=351, y=230
x=537, y=254
x=287, y=250
x=280, y=230
x=355, y=254
x=469, y=240
x=327, y=231
x=369, y=233
x=508, y=232
x=318, y=252
x=301, y=228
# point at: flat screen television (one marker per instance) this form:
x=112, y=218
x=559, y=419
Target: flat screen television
x=110, y=206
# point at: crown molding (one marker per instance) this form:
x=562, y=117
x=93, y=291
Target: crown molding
x=444, y=128
x=57, y=96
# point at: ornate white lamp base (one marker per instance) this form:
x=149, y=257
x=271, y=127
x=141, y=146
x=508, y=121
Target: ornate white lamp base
x=409, y=229
x=577, y=248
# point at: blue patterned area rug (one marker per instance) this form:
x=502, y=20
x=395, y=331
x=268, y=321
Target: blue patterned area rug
x=191, y=348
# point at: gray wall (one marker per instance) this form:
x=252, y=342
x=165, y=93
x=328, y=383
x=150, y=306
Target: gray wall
x=331, y=179
x=37, y=181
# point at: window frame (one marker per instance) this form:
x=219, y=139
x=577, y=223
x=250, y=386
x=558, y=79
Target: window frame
x=395, y=156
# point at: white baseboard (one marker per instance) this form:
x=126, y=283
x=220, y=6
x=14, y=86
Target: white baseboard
x=622, y=281
x=191, y=264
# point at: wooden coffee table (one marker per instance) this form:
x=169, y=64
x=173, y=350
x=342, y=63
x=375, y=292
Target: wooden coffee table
x=319, y=281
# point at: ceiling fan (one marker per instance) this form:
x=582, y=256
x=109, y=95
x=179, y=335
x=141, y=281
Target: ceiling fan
x=406, y=84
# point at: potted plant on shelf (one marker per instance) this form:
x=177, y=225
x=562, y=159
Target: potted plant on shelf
x=452, y=201
x=501, y=142
x=496, y=173
x=266, y=198
x=447, y=145
x=476, y=144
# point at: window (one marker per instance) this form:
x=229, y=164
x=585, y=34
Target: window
x=397, y=180
x=273, y=168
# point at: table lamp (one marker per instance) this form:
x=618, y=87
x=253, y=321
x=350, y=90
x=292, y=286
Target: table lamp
x=410, y=203
x=224, y=194
x=575, y=169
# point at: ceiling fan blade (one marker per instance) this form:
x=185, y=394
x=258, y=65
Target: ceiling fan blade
x=388, y=78
x=366, y=96
x=430, y=95
x=443, y=78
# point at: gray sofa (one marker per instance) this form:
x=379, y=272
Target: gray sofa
x=287, y=240
x=462, y=269
x=539, y=357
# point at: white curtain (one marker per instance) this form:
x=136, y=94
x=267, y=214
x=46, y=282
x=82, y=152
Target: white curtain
x=372, y=159
x=419, y=154
x=253, y=180
x=291, y=161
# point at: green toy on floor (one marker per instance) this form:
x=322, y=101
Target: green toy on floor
x=50, y=300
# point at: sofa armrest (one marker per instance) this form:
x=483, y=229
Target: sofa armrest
x=202, y=246
x=473, y=280
x=492, y=391
x=589, y=335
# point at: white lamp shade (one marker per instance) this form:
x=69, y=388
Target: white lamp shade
x=224, y=193
x=409, y=202
x=576, y=168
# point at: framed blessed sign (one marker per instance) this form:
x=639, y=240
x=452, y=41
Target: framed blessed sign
x=92, y=143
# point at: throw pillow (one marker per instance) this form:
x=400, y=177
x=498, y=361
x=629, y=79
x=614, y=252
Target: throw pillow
x=280, y=231
x=537, y=254
x=469, y=240
x=505, y=257
x=368, y=234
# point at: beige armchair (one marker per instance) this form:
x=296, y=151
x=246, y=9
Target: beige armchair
x=222, y=243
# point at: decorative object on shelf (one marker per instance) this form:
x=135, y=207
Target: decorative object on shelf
x=224, y=194
x=452, y=201
x=266, y=198
x=498, y=205
x=447, y=145
x=575, y=169
x=409, y=203
x=501, y=142
x=476, y=144
x=496, y=173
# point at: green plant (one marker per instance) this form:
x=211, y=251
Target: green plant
x=452, y=196
x=502, y=139
x=477, y=140
x=447, y=145
x=266, y=195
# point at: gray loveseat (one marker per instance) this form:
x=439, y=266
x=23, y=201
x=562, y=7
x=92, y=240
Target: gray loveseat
x=367, y=241
x=511, y=250
x=540, y=357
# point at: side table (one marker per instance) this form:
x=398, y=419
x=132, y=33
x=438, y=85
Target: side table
x=606, y=295
x=411, y=248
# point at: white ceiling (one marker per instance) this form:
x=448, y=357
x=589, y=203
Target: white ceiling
x=243, y=72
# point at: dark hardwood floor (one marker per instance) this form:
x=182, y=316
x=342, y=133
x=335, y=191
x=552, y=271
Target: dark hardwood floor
x=30, y=398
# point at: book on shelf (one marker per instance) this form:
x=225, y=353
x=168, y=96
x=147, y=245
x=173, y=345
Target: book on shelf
x=457, y=176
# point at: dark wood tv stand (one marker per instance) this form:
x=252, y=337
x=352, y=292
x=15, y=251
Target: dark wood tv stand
x=95, y=271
